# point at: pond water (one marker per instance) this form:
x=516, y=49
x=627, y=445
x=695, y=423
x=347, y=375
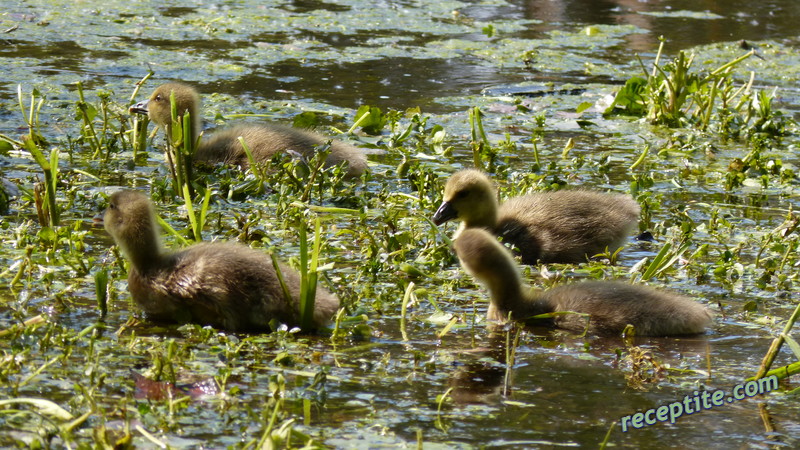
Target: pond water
x=529, y=66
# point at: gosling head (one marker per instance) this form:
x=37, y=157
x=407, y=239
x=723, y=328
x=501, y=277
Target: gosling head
x=158, y=108
x=469, y=195
x=483, y=257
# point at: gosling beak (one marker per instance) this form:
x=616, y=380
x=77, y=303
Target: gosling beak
x=98, y=219
x=445, y=212
x=139, y=108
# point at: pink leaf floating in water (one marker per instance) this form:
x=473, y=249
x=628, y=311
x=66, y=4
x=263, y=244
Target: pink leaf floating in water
x=147, y=389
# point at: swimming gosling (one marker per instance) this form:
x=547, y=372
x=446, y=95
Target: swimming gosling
x=611, y=305
x=549, y=227
x=226, y=285
x=264, y=140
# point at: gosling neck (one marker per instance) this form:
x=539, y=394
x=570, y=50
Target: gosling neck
x=505, y=289
x=142, y=246
x=515, y=297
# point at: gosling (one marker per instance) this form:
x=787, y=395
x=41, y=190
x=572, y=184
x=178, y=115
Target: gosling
x=611, y=306
x=549, y=227
x=225, y=285
x=263, y=140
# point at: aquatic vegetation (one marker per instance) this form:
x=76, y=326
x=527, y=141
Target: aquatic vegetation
x=643, y=368
x=674, y=95
x=783, y=337
x=712, y=167
x=45, y=192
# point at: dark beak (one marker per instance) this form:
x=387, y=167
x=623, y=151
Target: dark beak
x=444, y=213
x=139, y=108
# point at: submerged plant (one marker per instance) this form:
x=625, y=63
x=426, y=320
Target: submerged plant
x=756, y=166
x=644, y=368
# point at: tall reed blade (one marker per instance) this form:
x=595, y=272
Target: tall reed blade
x=187, y=151
x=308, y=273
x=197, y=221
x=101, y=291
x=88, y=113
x=180, y=148
x=49, y=168
x=480, y=143
x=777, y=343
x=139, y=130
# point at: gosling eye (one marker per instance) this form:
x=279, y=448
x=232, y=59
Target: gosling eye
x=461, y=194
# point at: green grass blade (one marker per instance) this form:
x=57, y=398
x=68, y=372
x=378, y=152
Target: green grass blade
x=287, y=296
x=656, y=264
x=196, y=231
x=101, y=291
x=407, y=298
x=168, y=228
x=247, y=152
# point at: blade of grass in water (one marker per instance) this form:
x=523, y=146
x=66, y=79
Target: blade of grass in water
x=49, y=166
x=287, y=296
x=407, y=298
x=447, y=327
x=187, y=152
x=640, y=160
x=247, y=152
x=769, y=357
x=196, y=221
x=168, y=228
x=101, y=291
x=479, y=140
x=663, y=260
x=308, y=274
x=50, y=179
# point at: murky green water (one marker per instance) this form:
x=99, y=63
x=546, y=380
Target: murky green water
x=282, y=58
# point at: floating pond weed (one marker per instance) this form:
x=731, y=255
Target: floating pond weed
x=674, y=95
x=370, y=119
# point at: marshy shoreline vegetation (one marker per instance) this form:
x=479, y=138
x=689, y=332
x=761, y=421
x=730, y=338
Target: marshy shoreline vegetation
x=371, y=242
